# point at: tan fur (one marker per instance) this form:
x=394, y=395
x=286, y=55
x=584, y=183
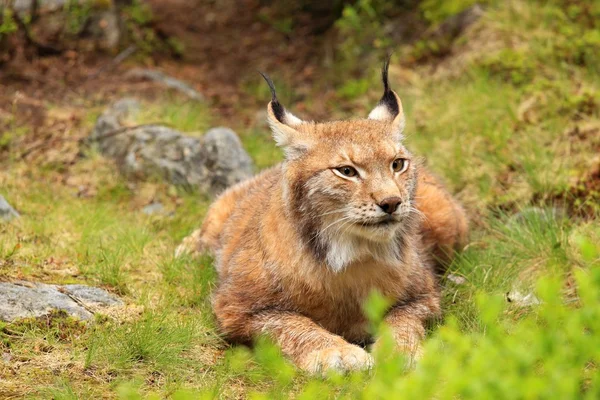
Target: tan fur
x=284, y=273
x=444, y=227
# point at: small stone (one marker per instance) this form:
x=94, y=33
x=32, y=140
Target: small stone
x=7, y=213
x=153, y=208
x=522, y=299
x=457, y=279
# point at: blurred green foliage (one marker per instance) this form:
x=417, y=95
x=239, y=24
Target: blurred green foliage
x=436, y=11
x=516, y=67
x=361, y=31
x=76, y=15
x=137, y=18
x=7, y=22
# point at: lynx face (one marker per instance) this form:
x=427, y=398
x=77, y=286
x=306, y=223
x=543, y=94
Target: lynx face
x=356, y=178
x=349, y=184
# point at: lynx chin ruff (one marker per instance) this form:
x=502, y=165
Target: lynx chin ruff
x=299, y=247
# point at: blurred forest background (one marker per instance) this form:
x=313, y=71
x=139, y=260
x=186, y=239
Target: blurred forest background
x=109, y=157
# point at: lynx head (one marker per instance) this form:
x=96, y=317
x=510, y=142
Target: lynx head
x=349, y=186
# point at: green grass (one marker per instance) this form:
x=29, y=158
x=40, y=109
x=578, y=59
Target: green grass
x=156, y=339
x=192, y=118
x=261, y=147
x=501, y=122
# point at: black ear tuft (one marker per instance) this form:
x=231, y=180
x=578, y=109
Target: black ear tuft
x=388, y=99
x=278, y=109
x=384, y=74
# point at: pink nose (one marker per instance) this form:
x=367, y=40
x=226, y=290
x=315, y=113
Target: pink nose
x=390, y=204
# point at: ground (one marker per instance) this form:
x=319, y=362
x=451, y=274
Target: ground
x=508, y=116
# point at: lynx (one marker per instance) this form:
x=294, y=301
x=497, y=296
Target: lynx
x=299, y=247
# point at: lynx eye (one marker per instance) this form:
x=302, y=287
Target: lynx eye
x=400, y=165
x=347, y=170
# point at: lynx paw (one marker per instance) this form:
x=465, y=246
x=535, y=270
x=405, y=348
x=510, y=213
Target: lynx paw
x=190, y=245
x=341, y=359
x=181, y=250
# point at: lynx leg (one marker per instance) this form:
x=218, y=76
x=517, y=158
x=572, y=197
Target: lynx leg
x=191, y=245
x=407, y=322
x=206, y=239
x=308, y=345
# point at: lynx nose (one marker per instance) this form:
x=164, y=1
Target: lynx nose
x=390, y=204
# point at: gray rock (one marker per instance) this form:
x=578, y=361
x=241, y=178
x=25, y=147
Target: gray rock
x=31, y=300
x=112, y=118
x=50, y=5
x=7, y=213
x=225, y=158
x=170, y=82
x=153, y=208
x=209, y=164
x=92, y=296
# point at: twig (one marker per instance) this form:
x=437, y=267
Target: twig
x=76, y=299
x=122, y=56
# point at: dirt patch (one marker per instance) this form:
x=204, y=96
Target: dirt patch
x=225, y=43
x=581, y=199
x=587, y=191
x=224, y=46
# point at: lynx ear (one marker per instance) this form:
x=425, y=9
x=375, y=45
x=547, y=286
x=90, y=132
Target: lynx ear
x=283, y=125
x=389, y=108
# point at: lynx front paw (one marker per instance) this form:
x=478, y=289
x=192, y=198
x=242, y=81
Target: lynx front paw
x=341, y=359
